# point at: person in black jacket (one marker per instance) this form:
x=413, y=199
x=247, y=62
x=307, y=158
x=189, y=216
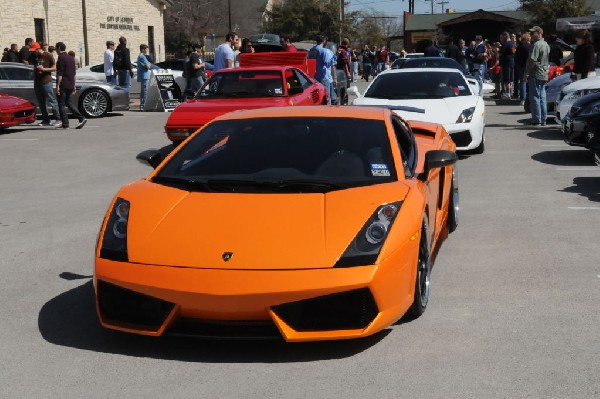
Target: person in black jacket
x=122, y=64
x=453, y=52
x=584, y=56
x=521, y=55
x=12, y=55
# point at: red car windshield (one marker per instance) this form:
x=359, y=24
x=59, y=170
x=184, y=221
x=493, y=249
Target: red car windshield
x=243, y=84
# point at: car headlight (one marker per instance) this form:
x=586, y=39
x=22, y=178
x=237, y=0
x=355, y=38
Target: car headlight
x=466, y=115
x=114, y=241
x=364, y=248
x=592, y=108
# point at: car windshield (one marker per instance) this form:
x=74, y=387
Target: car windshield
x=243, y=84
x=274, y=155
x=437, y=62
x=418, y=85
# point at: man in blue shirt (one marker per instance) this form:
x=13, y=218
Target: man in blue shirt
x=143, y=73
x=480, y=59
x=224, y=55
x=325, y=61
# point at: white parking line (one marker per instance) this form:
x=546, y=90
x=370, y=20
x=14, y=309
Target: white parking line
x=18, y=139
x=585, y=208
x=555, y=145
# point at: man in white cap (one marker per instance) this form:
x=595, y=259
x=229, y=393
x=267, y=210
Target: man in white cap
x=536, y=74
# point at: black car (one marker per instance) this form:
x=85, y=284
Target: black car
x=427, y=62
x=581, y=125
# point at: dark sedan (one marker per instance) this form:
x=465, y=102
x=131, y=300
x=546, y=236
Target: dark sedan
x=581, y=125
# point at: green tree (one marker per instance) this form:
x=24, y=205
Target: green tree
x=545, y=12
x=375, y=27
x=303, y=19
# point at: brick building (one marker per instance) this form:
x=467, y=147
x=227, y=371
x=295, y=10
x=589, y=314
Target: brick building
x=85, y=25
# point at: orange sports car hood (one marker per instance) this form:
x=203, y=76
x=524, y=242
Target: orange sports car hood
x=173, y=227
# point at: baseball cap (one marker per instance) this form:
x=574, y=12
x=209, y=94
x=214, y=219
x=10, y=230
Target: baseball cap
x=536, y=28
x=34, y=46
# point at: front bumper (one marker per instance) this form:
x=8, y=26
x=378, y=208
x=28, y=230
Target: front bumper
x=466, y=136
x=299, y=305
x=19, y=117
x=580, y=132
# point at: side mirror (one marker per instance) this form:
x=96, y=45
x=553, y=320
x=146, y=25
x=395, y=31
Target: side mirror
x=150, y=157
x=293, y=91
x=354, y=90
x=437, y=159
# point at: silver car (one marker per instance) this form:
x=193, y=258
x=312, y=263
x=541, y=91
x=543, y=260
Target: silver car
x=93, y=99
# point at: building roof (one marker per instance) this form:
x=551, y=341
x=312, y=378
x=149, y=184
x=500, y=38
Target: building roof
x=420, y=22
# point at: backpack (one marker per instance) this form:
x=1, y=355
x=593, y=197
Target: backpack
x=118, y=60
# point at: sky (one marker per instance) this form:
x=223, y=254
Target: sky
x=396, y=7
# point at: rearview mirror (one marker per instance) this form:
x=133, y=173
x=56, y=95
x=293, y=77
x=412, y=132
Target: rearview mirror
x=150, y=157
x=437, y=159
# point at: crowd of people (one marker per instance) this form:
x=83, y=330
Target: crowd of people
x=517, y=64
x=45, y=60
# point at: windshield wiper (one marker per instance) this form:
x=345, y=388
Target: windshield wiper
x=313, y=185
x=212, y=184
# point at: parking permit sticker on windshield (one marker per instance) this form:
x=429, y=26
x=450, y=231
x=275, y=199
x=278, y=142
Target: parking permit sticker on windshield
x=379, y=169
x=461, y=87
x=278, y=91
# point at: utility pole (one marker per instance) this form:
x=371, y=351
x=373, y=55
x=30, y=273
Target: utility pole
x=411, y=6
x=431, y=6
x=341, y=18
x=442, y=3
x=229, y=13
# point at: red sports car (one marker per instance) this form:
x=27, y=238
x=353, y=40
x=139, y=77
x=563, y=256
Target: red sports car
x=244, y=88
x=15, y=111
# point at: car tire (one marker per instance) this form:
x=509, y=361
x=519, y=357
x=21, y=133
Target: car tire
x=453, y=203
x=421, y=295
x=94, y=103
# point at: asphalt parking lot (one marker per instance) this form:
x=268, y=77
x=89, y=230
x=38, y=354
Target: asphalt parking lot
x=513, y=311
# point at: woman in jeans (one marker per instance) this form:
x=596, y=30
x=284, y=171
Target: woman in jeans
x=520, y=62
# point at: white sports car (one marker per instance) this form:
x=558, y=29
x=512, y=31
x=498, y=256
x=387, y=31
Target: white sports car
x=439, y=95
x=573, y=92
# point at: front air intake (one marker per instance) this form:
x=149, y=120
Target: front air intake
x=349, y=310
x=119, y=304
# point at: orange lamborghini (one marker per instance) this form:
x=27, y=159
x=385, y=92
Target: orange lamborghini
x=307, y=223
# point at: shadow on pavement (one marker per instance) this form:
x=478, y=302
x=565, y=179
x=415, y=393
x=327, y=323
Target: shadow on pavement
x=70, y=320
x=513, y=113
x=565, y=158
x=546, y=134
x=588, y=187
x=20, y=129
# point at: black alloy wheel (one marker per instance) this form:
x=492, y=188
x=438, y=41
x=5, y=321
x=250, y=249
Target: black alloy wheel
x=421, y=297
x=453, y=205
